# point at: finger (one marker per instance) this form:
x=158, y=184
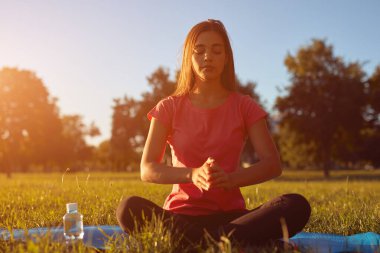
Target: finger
x=220, y=185
x=202, y=184
x=223, y=181
x=214, y=169
x=205, y=174
x=215, y=176
x=201, y=187
x=210, y=161
x=218, y=180
x=203, y=179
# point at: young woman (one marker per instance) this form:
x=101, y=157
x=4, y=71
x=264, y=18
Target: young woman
x=206, y=123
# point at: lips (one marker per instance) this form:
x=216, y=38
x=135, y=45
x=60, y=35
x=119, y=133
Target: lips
x=208, y=68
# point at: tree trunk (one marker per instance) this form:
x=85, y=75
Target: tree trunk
x=326, y=162
x=7, y=168
x=326, y=171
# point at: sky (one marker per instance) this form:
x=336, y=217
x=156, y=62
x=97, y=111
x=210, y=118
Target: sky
x=90, y=52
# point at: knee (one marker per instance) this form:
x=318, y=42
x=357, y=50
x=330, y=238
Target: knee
x=126, y=211
x=298, y=203
x=298, y=208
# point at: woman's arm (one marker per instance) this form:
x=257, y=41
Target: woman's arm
x=152, y=170
x=268, y=167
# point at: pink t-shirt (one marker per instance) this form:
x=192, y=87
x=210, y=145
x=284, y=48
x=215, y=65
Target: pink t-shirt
x=198, y=133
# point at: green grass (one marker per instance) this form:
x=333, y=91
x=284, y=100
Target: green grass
x=347, y=203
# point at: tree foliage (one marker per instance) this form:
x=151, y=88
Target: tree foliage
x=32, y=133
x=28, y=121
x=324, y=102
x=74, y=148
x=371, y=133
x=296, y=152
x=124, y=139
x=130, y=123
x=374, y=96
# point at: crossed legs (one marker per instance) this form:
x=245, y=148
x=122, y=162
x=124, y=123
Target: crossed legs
x=256, y=226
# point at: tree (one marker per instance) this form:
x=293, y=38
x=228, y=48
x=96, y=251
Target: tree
x=295, y=152
x=374, y=95
x=325, y=102
x=124, y=141
x=130, y=123
x=371, y=131
x=29, y=121
x=161, y=87
x=74, y=149
x=102, y=156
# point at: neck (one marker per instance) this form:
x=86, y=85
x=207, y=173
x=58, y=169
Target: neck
x=208, y=88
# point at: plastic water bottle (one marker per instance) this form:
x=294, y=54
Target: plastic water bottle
x=73, y=223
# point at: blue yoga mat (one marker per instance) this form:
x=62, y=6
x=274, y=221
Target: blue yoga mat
x=97, y=237
x=94, y=236
x=316, y=242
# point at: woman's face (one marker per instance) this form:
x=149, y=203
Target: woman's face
x=209, y=56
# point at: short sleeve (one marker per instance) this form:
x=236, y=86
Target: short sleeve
x=163, y=112
x=251, y=111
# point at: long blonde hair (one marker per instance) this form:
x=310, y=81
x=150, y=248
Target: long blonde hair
x=186, y=77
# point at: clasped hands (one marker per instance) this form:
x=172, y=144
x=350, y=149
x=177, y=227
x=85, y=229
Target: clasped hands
x=210, y=176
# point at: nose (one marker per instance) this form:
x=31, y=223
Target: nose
x=208, y=55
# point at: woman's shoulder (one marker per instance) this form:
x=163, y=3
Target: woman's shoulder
x=243, y=99
x=173, y=100
x=248, y=105
x=170, y=103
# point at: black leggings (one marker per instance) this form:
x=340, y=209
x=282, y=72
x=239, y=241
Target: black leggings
x=253, y=227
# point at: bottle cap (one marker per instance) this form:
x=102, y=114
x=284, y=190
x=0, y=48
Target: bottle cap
x=71, y=207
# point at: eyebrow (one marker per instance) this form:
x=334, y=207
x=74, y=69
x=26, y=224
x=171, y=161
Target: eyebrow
x=202, y=45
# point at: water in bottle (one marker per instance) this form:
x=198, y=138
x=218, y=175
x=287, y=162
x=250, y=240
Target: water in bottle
x=73, y=223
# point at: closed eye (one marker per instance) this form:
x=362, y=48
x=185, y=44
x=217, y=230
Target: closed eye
x=215, y=49
x=199, y=50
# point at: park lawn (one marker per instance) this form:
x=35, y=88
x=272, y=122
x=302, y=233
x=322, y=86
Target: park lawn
x=347, y=203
